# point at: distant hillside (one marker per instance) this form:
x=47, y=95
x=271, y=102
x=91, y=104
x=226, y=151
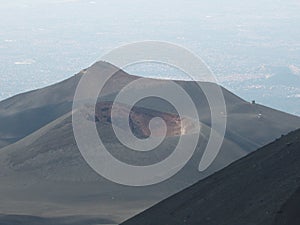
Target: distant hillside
x=260, y=189
x=25, y=113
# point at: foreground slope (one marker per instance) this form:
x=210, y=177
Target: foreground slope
x=260, y=189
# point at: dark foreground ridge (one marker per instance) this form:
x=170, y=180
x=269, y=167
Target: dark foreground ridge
x=261, y=189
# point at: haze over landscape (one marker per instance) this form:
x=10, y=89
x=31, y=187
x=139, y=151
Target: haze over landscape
x=252, y=47
x=55, y=85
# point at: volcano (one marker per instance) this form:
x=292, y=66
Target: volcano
x=44, y=177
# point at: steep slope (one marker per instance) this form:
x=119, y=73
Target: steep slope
x=260, y=189
x=25, y=113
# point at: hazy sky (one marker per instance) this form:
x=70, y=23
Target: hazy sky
x=44, y=41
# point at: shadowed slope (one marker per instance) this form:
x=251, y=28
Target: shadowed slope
x=251, y=191
x=289, y=212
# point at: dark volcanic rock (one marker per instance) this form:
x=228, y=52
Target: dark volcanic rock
x=259, y=189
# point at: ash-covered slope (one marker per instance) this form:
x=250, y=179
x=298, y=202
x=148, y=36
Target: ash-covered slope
x=249, y=125
x=45, y=175
x=25, y=113
x=260, y=189
x=42, y=172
